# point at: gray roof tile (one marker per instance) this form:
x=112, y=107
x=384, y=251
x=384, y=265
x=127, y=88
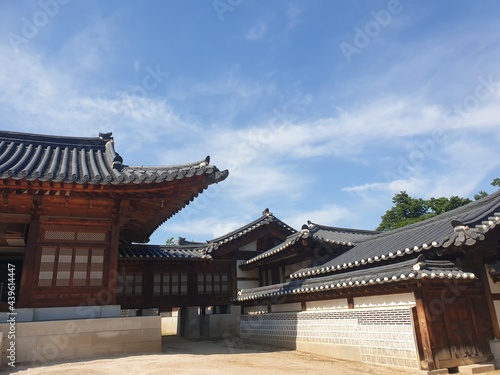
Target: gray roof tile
x=266, y=219
x=335, y=236
x=166, y=252
x=84, y=160
x=412, y=269
x=435, y=233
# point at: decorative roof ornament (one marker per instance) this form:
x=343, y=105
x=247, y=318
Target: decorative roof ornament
x=205, y=162
x=458, y=226
x=106, y=136
x=305, y=231
x=266, y=212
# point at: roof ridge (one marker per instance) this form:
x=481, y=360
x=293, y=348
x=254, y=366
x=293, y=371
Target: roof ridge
x=58, y=140
x=340, y=229
x=250, y=226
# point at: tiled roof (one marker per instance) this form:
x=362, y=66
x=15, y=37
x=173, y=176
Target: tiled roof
x=167, y=252
x=266, y=219
x=413, y=269
x=322, y=233
x=83, y=160
x=339, y=236
x=460, y=227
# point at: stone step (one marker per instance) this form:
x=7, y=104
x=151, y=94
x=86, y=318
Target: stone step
x=476, y=369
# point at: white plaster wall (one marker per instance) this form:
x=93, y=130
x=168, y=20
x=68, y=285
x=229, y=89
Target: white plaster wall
x=261, y=309
x=250, y=273
x=333, y=304
x=286, y=307
x=402, y=299
x=247, y=284
x=169, y=325
x=252, y=246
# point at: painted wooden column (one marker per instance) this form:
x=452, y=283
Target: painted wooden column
x=113, y=261
x=425, y=334
x=29, y=276
x=489, y=298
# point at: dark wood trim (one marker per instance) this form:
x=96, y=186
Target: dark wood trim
x=425, y=338
x=350, y=302
x=29, y=274
x=489, y=298
x=113, y=262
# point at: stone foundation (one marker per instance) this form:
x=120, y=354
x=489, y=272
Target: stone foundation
x=41, y=342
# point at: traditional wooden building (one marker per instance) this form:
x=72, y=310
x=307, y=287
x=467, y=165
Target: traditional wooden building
x=425, y=296
x=195, y=274
x=71, y=208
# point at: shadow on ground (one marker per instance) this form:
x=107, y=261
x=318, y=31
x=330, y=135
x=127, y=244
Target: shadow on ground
x=230, y=345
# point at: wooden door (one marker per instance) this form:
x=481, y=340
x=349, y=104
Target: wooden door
x=460, y=328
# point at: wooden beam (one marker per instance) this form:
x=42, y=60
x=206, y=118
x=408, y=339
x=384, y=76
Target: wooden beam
x=489, y=296
x=425, y=333
x=29, y=276
x=113, y=261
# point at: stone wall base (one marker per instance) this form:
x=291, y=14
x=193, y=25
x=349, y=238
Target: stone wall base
x=42, y=342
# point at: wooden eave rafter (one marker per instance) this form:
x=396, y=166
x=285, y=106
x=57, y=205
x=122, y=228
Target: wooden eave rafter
x=62, y=188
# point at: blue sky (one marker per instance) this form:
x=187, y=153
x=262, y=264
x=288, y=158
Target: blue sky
x=321, y=110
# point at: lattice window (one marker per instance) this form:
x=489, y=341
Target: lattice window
x=71, y=266
x=59, y=235
x=170, y=283
x=91, y=236
x=81, y=267
x=213, y=283
x=96, y=267
x=129, y=282
x=63, y=276
x=47, y=262
x=52, y=234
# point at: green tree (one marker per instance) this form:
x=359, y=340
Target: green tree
x=170, y=241
x=408, y=210
x=480, y=194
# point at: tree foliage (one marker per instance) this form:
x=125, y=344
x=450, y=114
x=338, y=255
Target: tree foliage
x=408, y=210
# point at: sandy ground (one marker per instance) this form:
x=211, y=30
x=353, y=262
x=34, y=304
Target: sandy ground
x=181, y=356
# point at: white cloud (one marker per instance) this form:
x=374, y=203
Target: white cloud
x=331, y=215
x=257, y=32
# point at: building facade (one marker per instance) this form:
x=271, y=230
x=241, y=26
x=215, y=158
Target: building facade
x=422, y=296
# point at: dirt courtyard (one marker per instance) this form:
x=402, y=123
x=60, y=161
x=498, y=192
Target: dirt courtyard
x=234, y=356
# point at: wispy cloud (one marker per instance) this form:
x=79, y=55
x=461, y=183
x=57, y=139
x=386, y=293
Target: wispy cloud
x=257, y=32
x=331, y=215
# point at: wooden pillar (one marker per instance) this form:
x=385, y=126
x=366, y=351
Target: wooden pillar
x=350, y=302
x=29, y=276
x=425, y=334
x=113, y=261
x=489, y=299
